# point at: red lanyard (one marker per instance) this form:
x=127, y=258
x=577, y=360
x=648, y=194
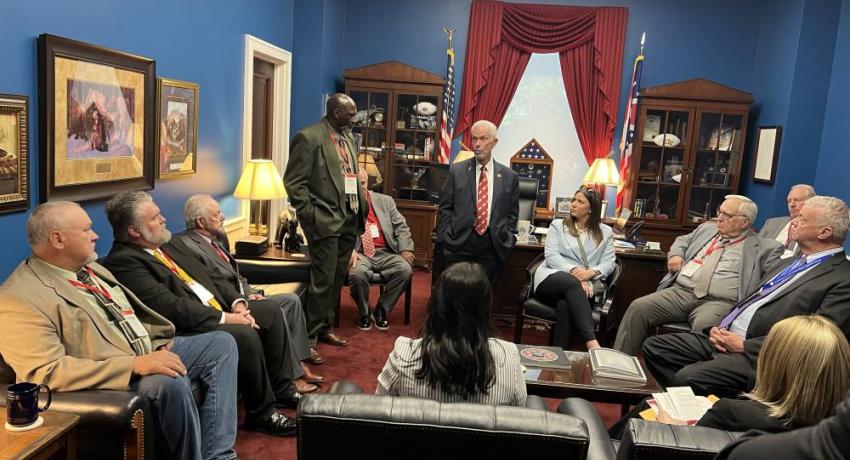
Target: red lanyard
x=343, y=154
x=94, y=289
x=715, y=247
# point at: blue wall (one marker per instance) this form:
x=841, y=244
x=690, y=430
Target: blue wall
x=194, y=40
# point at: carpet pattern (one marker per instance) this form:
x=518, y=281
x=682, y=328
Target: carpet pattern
x=364, y=357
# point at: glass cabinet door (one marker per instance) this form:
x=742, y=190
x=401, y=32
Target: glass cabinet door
x=662, y=169
x=416, y=144
x=715, y=166
x=369, y=128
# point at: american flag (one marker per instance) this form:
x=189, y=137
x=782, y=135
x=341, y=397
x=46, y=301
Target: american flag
x=629, y=133
x=447, y=125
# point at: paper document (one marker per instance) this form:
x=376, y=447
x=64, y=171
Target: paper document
x=682, y=404
x=623, y=244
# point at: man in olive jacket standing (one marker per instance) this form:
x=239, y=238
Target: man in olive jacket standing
x=321, y=180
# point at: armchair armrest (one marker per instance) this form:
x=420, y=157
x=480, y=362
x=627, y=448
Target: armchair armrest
x=273, y=271
x=644, y=439
x=601, y=447
x=96, y=408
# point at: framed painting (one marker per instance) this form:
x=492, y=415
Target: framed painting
x=14, y=153
x=177, y=127
x=95, y=120
x=767, y=154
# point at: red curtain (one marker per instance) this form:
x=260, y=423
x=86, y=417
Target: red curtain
x=502, y=37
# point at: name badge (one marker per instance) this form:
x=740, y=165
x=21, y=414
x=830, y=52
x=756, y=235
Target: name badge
x=133, y=321
x=373, y=230
x=691, y=268
x=350, y=184
x=203, y=293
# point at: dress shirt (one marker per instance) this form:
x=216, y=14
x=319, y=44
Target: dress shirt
x=220, y=321
x=740, y=325
x=725, y=280
x=490, y=164
x=782, y=237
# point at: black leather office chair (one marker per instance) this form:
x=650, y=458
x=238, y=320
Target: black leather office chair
x=527, y=198
x=534, y=309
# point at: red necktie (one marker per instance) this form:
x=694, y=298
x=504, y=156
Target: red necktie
x=220, y=252
x=368, y=244
x=481, y=218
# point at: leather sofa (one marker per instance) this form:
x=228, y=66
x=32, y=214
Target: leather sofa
x=113, y=424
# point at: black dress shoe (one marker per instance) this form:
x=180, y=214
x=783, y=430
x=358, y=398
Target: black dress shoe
x=290, y=401
x=380, y=317
x=364, y=323
x=276, y=425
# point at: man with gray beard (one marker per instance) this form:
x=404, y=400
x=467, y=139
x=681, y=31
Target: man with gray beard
x=173, y=284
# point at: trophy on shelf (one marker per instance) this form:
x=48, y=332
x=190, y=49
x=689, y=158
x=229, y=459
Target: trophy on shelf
x=415, y=172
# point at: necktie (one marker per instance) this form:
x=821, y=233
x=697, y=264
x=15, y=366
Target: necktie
x=481, y=217
x=180, y=273
x=220, y=252
x=368, y=244
x=113, y=312
x=703, y=279
x=730, y=318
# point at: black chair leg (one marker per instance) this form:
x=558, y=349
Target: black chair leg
x=407, y=295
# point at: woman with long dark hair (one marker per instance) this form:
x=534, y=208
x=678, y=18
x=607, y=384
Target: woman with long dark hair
x=457, y=358
x=579, y=255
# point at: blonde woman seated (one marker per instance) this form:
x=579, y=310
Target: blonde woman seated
x=579, y=255
x=802, y=374
x=457, y=358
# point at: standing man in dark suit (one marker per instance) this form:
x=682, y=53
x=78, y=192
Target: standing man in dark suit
x=722, y=359
x=321, y=180
x=479, y=206
x=173, y=284
x=386, y=248
x=204, y=239
x=778, y=228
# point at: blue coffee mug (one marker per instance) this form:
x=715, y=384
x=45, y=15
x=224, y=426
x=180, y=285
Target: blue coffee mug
x=22, y=403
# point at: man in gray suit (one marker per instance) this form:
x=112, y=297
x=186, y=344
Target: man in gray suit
x=202, y=240
x=385, y=247
x=777, y=228
x=710, y=269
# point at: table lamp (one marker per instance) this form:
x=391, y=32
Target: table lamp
x=602, y=172
x=259, y=181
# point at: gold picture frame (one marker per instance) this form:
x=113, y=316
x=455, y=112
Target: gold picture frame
x=95, y=120
x=176, y=127
x=14, y=153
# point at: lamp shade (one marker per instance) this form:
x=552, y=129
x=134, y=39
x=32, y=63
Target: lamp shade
x=602, y=171
x=260, y=181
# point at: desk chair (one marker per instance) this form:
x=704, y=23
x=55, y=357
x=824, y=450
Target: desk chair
x=378, y=280
x=527, y=198
x=534, y=309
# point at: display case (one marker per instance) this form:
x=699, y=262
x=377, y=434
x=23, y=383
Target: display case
x=688, y=150
x=532, y=161
x=397, y=127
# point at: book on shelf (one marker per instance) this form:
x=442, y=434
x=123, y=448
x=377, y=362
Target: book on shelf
x=614, y=364
x=540, y=356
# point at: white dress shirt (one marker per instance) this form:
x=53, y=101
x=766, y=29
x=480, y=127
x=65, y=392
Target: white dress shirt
x=782, y=237
x=490, y=164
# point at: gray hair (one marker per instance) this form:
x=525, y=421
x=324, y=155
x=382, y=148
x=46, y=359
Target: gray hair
x=197, y=206
x=810, y=191
x=46, y=218
x=491, y=128
x=122, y=213
x=835, y=215
x=748, y=208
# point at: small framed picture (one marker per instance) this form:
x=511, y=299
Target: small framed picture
x=177, y=127
x=767, y=154
x=604, y=211
x=562, y=206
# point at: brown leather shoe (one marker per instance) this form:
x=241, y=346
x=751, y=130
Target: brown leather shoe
x=331, y=338
x=315, y=357
x=304, y=387
x=310, y=377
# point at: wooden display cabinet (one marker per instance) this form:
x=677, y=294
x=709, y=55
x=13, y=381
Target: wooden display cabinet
x=398, y=131
x=688, y=148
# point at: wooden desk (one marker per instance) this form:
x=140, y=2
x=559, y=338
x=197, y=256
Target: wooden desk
x=54, y=439
x=642, y=271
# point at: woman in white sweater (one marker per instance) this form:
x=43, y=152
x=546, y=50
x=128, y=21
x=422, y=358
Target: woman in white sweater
x=457, y=358
x=579, y=255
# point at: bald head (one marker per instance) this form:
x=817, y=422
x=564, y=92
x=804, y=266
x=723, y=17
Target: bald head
x=340, y=109
x=60, y=233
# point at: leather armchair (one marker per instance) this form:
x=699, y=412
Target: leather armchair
x=113, y=424
x=424, y=429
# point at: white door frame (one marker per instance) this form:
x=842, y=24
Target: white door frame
x=282, y=87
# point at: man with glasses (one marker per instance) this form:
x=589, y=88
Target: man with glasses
x=709, y=270
x=722, y=359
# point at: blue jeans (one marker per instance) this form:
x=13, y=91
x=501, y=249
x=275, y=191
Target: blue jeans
x=208, y=432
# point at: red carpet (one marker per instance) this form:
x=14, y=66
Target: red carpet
x=364, y=357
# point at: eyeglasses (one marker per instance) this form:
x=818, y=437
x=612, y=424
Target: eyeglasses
x=725, y=215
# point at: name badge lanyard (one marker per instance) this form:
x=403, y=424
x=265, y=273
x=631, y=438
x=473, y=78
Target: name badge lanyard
x=347, y=170
x=94, y=289
x=788, y=273
x=714, y=246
